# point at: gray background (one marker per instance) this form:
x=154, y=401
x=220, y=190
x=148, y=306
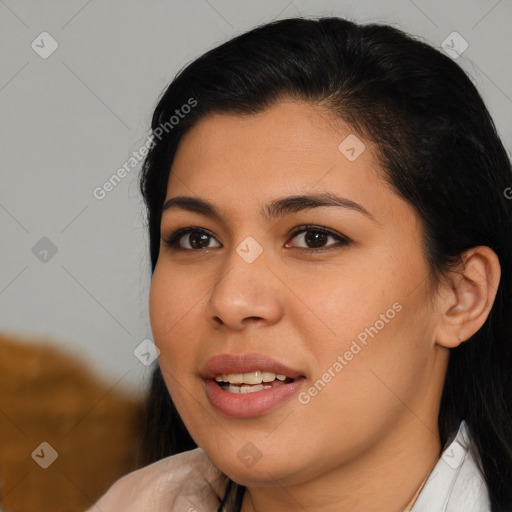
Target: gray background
x=70, y=120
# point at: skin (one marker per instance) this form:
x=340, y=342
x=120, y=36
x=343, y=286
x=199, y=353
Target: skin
x=368, y=440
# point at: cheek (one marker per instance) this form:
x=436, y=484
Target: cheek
x=171, y=310
x=342, y=302
x=369, y=316
x=359, y=388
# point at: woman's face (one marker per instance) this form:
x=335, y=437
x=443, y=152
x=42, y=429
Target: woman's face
x=346, y=314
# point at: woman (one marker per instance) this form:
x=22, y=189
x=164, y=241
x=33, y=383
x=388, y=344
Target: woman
x=331, y=291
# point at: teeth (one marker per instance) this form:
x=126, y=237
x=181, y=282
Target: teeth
x=234, y=378
x=245, y=390
x=253, y=378
x=268, y=376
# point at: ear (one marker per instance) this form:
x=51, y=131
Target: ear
x=466, y=296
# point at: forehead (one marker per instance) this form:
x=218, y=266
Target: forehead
x=287, y=129
x=290, y=148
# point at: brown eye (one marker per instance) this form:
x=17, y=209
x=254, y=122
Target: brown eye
x=198, y=240
x=189, y=239
x=316, y=237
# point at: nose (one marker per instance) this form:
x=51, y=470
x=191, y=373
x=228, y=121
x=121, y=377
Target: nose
x=245, y=293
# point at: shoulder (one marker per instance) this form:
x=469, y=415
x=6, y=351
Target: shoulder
x=187, y=481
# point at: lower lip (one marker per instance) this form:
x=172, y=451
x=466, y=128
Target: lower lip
x=250, y=404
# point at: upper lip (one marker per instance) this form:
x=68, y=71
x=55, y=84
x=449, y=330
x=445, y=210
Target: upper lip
x=244, y=363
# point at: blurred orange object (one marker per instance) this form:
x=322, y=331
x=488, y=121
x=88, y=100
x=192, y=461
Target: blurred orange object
x=89, y=431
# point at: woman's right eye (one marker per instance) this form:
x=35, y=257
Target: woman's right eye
x=192, y=237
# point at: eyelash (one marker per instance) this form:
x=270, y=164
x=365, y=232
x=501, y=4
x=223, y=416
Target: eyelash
x=173, y=240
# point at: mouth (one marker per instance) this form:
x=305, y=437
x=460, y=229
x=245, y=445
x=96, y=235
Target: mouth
x=251, y=382
x=248, y=385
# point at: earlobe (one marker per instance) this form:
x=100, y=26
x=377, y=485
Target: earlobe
x=467, y=296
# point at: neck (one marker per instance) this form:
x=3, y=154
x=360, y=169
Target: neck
x=383, y=479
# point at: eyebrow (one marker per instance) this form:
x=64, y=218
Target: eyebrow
x=275, y=209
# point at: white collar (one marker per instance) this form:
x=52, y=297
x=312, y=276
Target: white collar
x=455, y=484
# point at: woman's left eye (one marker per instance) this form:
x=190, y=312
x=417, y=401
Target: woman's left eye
x=315, y=238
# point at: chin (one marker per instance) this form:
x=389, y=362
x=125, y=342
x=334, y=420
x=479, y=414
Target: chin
x=252, y=467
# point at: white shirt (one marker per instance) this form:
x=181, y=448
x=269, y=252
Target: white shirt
x=189, y=482
x=455, y=484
